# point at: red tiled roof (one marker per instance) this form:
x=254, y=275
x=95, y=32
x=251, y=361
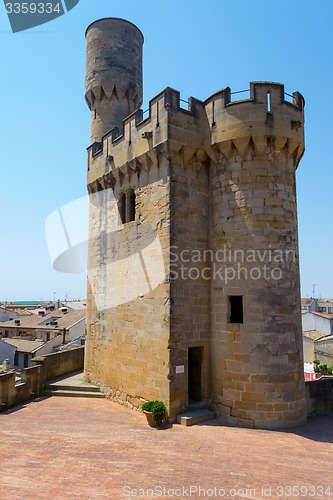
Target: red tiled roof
x=328, y=316
x=307, y=301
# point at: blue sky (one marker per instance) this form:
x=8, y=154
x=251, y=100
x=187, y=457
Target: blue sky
x=195, y=47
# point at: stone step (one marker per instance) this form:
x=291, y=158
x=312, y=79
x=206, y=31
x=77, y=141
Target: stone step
x=195, y=417
x=64, y=387
x=73, y=393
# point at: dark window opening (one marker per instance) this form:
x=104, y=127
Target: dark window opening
x=157, y=114
x=213, y=114
x=195, y=357
x=235, y=312
x=6, y=333
x=126, y=206
x=97, y=147
x=131, y=205
x=16, y=359
x=26, y=360
x=122, y=207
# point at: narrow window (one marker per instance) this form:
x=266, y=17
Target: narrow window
x=130, y=133
x=213, y=114
x=235, y=309
x=268, y=102
x=157, y=114
x=26, y=361
x=16, y=359
x=122, y=207
x=130, y=205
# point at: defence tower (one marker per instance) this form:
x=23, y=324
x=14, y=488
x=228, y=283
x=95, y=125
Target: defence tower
x=201, y=270
x=113, y=87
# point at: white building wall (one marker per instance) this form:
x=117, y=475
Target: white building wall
x=314, y=322
x=77, y=330
x=7, y=351
x=48, y=347
x=6, y=315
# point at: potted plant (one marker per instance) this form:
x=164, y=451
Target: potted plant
x=323, y=369
x=155, y=412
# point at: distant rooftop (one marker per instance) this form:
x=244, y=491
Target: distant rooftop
x=44, y=322
x=314, y=335
x=25, y=345
x=26, y=303
x=327, y=316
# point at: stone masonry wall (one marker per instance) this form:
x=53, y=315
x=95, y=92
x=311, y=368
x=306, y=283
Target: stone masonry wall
x=127, y=337
x=190, y=301
x=257, y=366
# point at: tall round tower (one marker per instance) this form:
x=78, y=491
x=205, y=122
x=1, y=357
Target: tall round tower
x=257, y=353
x=113, y=85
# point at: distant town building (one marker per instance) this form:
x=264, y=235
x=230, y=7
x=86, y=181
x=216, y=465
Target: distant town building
x=317, y=346
x=6, y=315
x=75, y=304
x=25, y=304
x=317, y=321
x=39, y=334
x=309, y=304
x=317, y=305
x=20, y=352
x=325, y=306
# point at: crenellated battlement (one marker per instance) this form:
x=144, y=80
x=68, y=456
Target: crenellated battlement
x=265, y=113
x=218, y=119
x=140, y=134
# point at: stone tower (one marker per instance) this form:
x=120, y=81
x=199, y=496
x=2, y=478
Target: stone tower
x=113, y=73
x=193, y=274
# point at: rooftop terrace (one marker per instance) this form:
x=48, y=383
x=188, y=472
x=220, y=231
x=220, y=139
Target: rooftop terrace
x=79, y=448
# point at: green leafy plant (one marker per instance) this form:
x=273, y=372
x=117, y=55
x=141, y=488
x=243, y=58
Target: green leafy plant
x=147, y=406
x=158, y=410
x=316, y=364
x=330, y=370
x=323, y=367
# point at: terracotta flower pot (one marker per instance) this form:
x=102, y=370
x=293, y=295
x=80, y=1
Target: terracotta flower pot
x=150, y=420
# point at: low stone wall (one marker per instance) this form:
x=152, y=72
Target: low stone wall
x=34, y=378
x=319, y=396
x=60, y=363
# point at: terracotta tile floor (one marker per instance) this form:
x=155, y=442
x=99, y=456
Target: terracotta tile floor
x=76, y=448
